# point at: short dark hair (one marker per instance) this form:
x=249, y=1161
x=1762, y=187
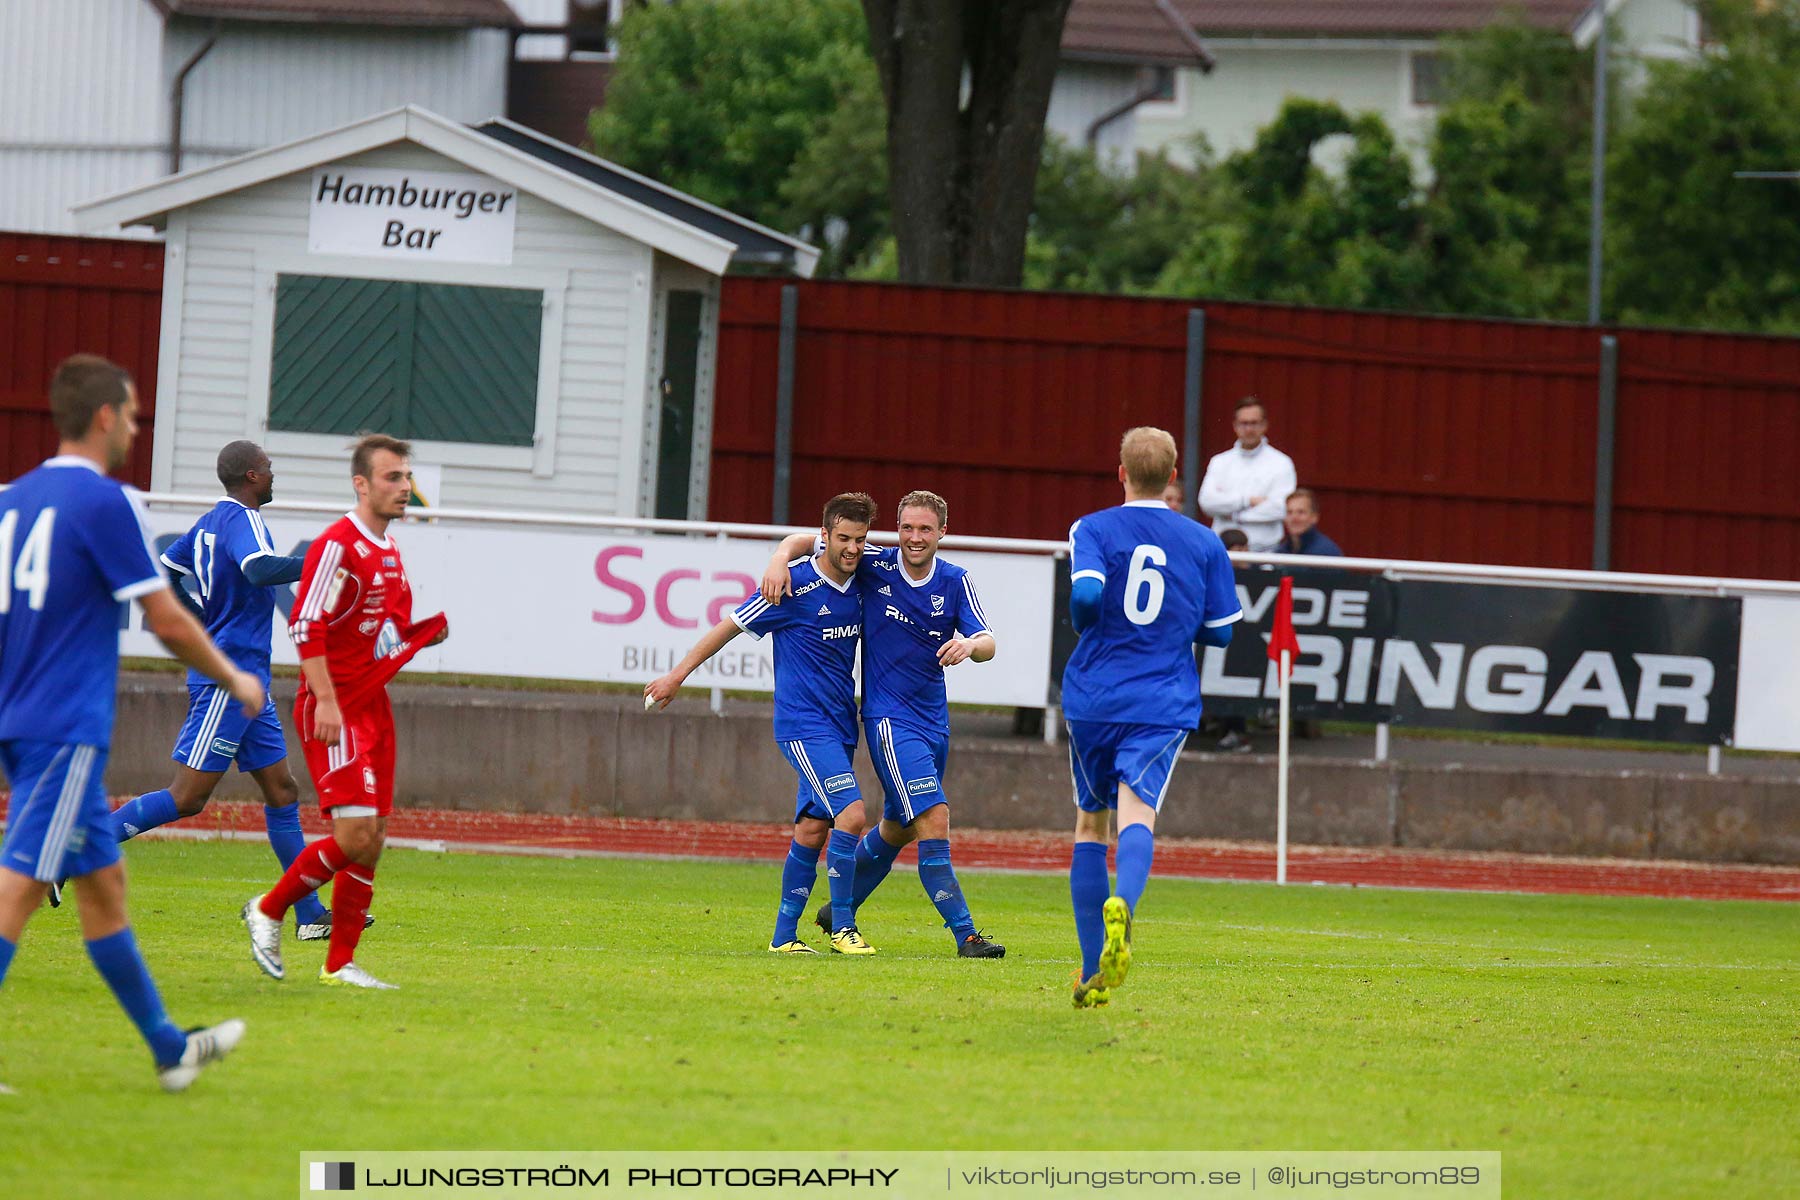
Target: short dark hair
x=856, y=507
x=366, y=446
x=1235, y=539
x=236, y=460
x=82, y=386
x=1250, y=402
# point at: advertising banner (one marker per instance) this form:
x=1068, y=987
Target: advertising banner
x=594, y=605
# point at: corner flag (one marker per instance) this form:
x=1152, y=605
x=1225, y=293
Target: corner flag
x=1281, y=633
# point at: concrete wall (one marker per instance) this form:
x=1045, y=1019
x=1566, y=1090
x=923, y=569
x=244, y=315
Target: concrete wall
x=601, y=755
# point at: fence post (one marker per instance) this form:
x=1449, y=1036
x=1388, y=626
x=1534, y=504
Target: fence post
x=784, y=405
x=1606, y=437
x=1190, y=439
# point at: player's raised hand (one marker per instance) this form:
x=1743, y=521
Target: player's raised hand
x=956, y=650
x=327, y=723
x=658, y=693
x=247, y=690
x=776, y=581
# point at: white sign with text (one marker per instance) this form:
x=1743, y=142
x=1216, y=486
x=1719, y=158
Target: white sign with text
x=428, y=216
x=616, y=609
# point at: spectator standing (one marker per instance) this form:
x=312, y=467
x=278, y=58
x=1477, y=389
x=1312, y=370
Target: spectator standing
x=1247, y=486
x=1300, y=528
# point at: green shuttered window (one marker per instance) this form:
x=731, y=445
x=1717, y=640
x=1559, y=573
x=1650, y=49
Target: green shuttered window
x=418, y=360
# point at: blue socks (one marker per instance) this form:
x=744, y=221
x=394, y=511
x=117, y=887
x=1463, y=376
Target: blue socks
x=287, y=840
x=6, y=953
x=119, y=963
x=797, y=875
x=940, y=884
x=840, y=869
x=1088, y=890
x=1137, y=844
x=146, y=812
x=874, y=859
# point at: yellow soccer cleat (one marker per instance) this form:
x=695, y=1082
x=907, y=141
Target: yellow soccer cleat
x=1115, y=955
x=848, y=941
x=1089, y=993
x=795, y=947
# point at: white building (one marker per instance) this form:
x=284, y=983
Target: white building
x=1135, y=62
x=98, y=95
x=540, y=323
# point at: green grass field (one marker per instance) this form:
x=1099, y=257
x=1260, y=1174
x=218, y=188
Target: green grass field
x=1608, y=1047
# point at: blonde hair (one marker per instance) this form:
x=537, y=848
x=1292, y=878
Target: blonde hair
x=1148, y=456
x=930, y=500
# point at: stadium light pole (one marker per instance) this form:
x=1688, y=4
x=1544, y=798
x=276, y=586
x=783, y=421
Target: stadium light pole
x=1597, y=197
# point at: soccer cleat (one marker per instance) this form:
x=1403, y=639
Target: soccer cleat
x=848, y=941
x=1115, y=954
x=822, y=919
x=320, y=931
x=1090, y=992
x=55, y=893
x=265, y=938
x=204, y=1047
x=794, y=947
x=351, y=975
x=976, y=945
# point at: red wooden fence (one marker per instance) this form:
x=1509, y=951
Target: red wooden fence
x=1426, y=437
x=60, y=296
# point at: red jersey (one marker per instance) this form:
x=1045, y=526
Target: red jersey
x=354, y=607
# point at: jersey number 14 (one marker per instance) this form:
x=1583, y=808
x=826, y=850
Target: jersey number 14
x=31, y=573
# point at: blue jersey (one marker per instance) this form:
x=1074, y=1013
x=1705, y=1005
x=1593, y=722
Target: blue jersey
x=73, y=548
x=1166, y=576
x=816, y=631
x=907, y=621
x=240, y=616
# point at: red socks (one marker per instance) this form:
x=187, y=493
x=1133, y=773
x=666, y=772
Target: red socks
x=350, y=896
x=310, y=872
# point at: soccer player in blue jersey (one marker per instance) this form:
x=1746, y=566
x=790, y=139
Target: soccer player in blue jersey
x=73, y=548
x=921, y=616
x=815, y=715
x=230, y=557
x=1146, y=584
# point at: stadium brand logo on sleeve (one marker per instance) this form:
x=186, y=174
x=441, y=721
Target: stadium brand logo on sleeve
x=918, y=787
x=801, y=591
x=333, y=1176
x=838, y=783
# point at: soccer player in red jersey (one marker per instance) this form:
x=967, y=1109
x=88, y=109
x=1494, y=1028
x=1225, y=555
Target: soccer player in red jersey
x=353, y=626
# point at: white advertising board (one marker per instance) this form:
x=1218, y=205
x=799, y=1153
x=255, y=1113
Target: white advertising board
x=1768, y=699
x=430, y=216
x=594, y=605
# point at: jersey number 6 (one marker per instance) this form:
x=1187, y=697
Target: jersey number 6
x=1145, y=580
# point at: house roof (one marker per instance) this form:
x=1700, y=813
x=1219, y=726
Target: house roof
x=150, y=203
x=454, y=13
x=757, y=246
x=1135, y=31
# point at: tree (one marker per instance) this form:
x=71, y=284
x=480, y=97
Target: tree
x=1693, y=244
x=967, y=84
x=768, y=108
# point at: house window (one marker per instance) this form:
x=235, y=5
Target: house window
x=1427, y=79
x=417, y=360
x=591, y=25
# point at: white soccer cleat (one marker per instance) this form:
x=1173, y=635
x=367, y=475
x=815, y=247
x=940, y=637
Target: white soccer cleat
x=352, y=975
x=204, y=1047
x=265, y=938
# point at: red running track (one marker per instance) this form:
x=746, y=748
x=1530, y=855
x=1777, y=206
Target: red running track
x=532, y=833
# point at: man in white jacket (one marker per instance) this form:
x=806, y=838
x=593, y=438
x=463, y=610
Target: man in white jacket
x=1247, y=486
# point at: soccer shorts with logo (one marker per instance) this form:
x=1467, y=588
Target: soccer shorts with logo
x=827, y=782
x=58, y=825
x=1104, y=754
x=358, y=769
x=910, y=764
x=217, y=733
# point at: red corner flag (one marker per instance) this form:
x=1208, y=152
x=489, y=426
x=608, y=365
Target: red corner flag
x=1281, y=634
